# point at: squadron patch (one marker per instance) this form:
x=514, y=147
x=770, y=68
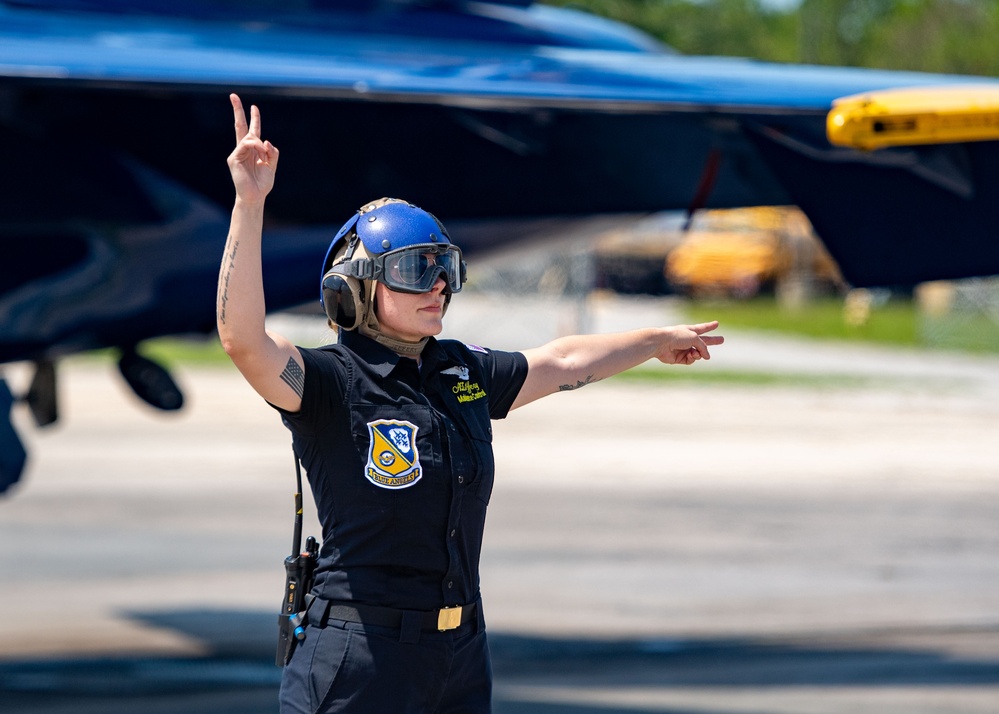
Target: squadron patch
x=393, y=461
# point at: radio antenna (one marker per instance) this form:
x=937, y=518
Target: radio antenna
x=296, y=539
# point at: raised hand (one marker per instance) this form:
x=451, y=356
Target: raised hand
x=254, y=161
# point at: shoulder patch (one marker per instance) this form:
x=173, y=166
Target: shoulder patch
x=393, y=461
x=476, y=348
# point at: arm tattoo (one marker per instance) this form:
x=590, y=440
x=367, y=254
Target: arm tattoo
x=294, y=377
x=577, y=385
x=227, y=263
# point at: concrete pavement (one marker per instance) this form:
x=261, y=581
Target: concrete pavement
x=650, y=547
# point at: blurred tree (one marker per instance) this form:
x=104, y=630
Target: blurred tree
x=837, y=31
x=743, y=28
x=960, y=36
x=930, y=35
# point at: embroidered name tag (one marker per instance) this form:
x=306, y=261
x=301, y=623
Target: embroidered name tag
x=464, y=390
x=393, y=461
x=468, y=391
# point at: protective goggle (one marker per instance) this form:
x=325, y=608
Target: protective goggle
x=413, y=269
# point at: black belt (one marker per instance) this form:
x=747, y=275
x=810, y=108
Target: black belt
x=448, y=618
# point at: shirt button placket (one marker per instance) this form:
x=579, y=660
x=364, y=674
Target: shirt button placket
x=451, y=577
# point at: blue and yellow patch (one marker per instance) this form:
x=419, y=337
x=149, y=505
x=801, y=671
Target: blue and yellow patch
x=393, y=461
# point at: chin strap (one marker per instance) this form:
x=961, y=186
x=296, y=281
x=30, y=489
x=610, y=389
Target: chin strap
x=407, y=349
x=370, y=328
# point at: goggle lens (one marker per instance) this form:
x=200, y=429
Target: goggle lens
x=415, y=269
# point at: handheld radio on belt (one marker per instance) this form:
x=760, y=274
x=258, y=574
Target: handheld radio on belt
x=300, y=568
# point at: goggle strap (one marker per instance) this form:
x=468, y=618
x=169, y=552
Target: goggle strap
x=362, y=269
x=351, y=246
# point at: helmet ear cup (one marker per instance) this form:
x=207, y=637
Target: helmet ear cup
x=343, y=300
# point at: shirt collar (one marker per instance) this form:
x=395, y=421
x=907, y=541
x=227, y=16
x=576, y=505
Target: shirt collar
x=433, y=356
x=380, y=358
x=383, y=360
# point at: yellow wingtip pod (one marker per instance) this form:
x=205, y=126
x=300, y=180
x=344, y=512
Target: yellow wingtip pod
x=923, y=115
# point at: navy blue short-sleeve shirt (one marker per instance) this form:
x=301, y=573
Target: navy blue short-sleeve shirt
x=399, y=458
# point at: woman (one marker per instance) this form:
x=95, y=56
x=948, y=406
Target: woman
x=393, y=428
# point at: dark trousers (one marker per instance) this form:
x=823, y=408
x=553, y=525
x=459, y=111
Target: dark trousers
x=364, y=669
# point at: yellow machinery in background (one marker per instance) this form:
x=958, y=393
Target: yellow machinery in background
x=738, y=252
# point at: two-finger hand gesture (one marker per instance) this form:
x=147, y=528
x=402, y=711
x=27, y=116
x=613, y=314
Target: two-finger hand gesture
x=253, y=162
x=685, y=344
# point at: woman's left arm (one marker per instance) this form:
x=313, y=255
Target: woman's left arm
x=573, y=362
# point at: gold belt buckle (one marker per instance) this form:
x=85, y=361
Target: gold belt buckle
x=449, y=618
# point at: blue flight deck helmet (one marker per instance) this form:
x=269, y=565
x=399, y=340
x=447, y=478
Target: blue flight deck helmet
x=392, y=242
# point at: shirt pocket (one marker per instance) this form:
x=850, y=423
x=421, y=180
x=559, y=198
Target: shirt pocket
x=478, y=429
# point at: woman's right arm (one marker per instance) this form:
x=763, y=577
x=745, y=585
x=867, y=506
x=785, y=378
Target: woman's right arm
x=270, y=363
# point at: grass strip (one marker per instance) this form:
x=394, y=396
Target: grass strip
x=750, y=378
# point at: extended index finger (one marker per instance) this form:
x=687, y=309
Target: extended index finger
x=239, y=117
x=703, y=327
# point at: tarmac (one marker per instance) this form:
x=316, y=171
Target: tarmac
x=813, y=545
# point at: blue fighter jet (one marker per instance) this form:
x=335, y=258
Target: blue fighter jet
x=115, y=123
